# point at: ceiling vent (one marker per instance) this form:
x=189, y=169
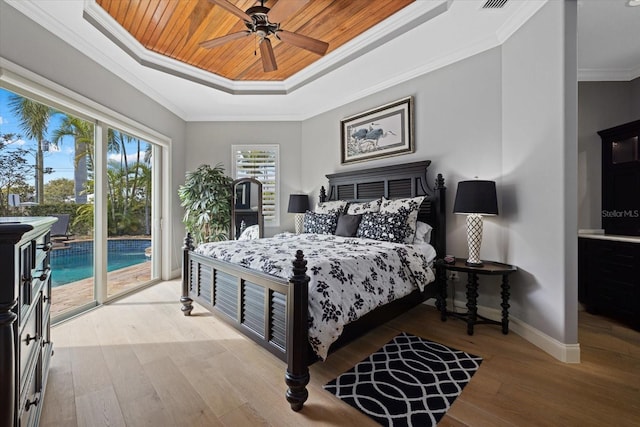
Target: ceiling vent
x=494, y=4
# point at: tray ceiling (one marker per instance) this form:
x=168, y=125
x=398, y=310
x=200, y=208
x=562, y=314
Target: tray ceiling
x=175, y=29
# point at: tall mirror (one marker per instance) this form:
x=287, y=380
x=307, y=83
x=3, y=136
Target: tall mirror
x=246, y=210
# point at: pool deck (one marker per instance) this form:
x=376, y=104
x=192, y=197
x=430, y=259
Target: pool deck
x=78, y=293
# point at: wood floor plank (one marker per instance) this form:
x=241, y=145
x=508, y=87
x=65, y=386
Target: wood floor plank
x=139, y=361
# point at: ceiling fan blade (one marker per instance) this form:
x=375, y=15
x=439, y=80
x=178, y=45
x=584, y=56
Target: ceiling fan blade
x=232, y=8
x=284, y=9
x=268, y=58
x=304, y=42
x=208, y=44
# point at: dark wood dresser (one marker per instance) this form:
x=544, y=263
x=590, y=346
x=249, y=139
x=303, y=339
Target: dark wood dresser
x=609, y=276
x=25, y=344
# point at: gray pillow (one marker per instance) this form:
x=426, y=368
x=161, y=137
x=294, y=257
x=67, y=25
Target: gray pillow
x=348, y=225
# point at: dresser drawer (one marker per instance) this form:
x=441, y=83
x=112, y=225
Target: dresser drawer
x=30, y=344
x=612, y=252
x=30, y=401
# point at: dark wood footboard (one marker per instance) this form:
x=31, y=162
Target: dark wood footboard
x=272, y=312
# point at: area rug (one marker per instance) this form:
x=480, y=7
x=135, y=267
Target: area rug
x=409, y=382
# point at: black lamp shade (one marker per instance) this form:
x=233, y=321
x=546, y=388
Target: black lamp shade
x=298, y=203
x=476, y=197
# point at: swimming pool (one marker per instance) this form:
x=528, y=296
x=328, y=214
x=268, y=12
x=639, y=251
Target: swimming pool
x=75, y=262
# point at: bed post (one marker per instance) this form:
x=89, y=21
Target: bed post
x=441, y=245
x=323, y=195
x=185, y=300
x=297, y=375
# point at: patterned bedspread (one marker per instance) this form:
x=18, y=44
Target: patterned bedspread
x=349, y=276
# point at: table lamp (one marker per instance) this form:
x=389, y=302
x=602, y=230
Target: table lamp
x=475, y=198
x=298, y=204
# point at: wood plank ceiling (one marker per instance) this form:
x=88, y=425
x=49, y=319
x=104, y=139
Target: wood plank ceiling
x=175, y=28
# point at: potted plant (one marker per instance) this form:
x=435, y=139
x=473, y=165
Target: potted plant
x=206, y=197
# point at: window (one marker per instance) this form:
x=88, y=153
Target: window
x=260, y=162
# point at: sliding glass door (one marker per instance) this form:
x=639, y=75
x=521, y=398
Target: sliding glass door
x=103, y=185
x=130, y=212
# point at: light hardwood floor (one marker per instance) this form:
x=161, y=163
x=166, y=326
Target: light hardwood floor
x=139, y=361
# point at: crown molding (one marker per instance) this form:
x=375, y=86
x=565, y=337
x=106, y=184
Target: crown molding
x=406, y=19
x=608, y=74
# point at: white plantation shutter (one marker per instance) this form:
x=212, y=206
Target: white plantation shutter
x=260, y=162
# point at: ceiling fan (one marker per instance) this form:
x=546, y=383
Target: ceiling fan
x=264, y=22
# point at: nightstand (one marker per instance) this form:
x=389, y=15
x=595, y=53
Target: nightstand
x=489, y=268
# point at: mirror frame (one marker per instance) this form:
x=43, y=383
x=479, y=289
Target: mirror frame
x=232, y=231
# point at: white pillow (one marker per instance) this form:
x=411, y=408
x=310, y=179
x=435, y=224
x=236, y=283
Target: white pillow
x=423, y=233
x=409, y=205
x=363, y=208
x=334, y=207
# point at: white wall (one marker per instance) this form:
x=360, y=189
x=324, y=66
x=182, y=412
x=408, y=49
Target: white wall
x=537, y=174
x=210, y=143
x=457, y=127
x=28, y=45
x=499, y=115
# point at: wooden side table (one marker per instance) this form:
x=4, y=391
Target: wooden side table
x=490, y=268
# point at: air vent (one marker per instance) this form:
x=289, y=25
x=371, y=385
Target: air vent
x=494, y=4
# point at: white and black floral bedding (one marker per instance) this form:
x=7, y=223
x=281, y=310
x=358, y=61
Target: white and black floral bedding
x=349, y=276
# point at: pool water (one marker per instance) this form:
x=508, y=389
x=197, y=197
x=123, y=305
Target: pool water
x=76, y=264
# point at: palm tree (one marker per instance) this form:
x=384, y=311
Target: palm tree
x=34, y=121
x=82, y=133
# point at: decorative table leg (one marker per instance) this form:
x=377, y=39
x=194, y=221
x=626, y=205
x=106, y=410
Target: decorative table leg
x=441, y=300
x=505, y=304
x=472, y=298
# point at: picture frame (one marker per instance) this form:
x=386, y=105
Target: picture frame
x=381, y=132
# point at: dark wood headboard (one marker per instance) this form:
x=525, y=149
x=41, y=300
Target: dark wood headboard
x=394, y=182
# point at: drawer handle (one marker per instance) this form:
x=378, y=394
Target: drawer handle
x=47, y=247
x=31, y=403
x=30, y=338
x=44, y=274
x=46, y=298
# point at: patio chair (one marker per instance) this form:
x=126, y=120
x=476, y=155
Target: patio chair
x=61, y=227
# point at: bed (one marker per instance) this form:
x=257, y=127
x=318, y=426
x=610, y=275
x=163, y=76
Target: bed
x=274, y=311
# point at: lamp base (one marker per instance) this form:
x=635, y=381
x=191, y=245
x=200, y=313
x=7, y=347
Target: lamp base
x=474, y=239
x=473, y=264
x=299, y=223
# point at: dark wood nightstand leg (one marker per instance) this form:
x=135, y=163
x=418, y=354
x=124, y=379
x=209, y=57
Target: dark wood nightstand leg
x=505, y=304
x=441, y=302
x=472, y=298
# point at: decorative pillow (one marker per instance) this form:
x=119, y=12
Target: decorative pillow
x=250, y=233
x=334, y=207
x=320, y=223
x=388, y=227
x=348, y=225
x=362, y=208
x=410, y=206
x=423, y=233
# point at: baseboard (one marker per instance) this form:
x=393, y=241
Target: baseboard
x=175, y=274
x=568, y=353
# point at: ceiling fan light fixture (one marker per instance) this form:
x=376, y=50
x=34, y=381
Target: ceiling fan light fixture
x=633, y=3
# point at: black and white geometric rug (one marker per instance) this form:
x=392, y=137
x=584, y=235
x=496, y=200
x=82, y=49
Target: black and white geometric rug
x=408, y=382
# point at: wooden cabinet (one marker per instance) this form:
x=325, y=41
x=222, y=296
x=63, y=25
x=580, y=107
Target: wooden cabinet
x=25, y=344
x=621, y=179
x=609, y=278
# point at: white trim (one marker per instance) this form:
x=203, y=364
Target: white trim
x=568, y=353
x=608, y=75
